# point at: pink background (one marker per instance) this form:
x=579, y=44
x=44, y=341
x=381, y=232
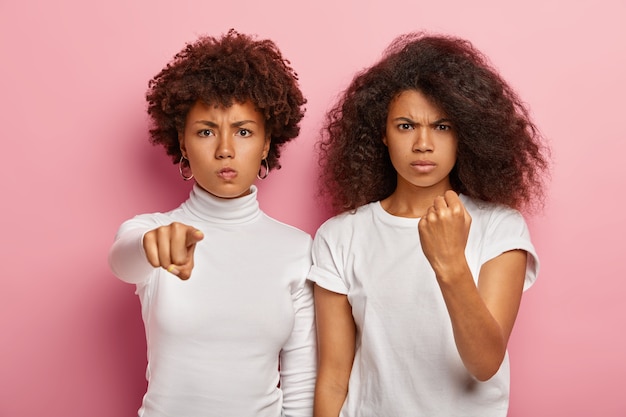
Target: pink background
x=77, y=162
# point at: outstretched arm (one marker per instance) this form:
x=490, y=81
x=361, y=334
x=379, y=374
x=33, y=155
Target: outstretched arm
x=137, y=250
x=336, y=333
x=482, y=315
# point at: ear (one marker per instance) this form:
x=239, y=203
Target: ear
x=266, y=146
x=181, y=144
x=385, y=140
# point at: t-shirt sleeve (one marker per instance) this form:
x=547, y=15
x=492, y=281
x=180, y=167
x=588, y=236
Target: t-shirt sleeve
x=508, y=231
x=327, y=265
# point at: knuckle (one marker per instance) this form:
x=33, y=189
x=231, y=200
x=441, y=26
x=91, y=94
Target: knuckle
x=162, y=232
x=178, y=227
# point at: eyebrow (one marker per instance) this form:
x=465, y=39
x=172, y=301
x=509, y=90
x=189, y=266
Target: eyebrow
x=410, y=121
x=213, y=124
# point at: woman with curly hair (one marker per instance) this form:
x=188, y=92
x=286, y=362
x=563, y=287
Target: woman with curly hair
x=429, y=156
x=227, y=308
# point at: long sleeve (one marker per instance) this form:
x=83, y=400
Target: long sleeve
x=127, y=258
x=299, y=357
x=238, y=337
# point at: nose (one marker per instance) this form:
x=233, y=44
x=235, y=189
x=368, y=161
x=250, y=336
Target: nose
x=423, y=141
x=224, y=148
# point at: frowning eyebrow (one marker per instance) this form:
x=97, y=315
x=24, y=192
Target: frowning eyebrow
x=209, y=123
x=407, y=120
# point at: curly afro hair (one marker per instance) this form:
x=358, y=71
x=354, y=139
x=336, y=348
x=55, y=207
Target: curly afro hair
x=501, y=157
x=233, y=68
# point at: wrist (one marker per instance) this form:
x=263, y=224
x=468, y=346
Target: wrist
x=452, y=272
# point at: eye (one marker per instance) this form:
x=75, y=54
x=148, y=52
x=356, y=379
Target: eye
x=405, y=126
x=443, y=127
x=205, y=133
x=244, y=133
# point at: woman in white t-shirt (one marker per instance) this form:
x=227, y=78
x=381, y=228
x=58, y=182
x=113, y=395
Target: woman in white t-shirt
x=227, y=308
x=427, y=156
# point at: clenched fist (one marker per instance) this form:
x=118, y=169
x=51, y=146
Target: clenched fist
x=443, y=232
x=172, y=247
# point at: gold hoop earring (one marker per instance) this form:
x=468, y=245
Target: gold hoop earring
x=183, y=169
x=267, y=169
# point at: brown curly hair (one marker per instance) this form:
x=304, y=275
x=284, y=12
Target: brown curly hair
x=233, y=68
x=501, y=157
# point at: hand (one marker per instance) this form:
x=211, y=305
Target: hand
x=443, y=231
x=172, y=247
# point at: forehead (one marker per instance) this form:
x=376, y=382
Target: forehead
x=414, y=102
x=235, y=112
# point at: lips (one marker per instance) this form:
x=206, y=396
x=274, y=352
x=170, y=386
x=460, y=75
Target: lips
x=227, y=173
x=423, y=166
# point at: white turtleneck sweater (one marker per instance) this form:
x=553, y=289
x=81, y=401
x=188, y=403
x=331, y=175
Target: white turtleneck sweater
x=216, y=341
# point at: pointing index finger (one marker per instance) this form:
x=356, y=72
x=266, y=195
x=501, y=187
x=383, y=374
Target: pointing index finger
x=193, y=236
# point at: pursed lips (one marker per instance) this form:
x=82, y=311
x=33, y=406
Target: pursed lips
x=227, y=173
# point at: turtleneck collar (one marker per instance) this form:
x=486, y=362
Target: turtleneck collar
x=207, y=207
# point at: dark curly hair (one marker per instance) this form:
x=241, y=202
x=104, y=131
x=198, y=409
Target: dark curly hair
x=233, y=68
x=501, y=157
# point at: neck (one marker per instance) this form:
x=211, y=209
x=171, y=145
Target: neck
x=208, y=207
x=411, y=201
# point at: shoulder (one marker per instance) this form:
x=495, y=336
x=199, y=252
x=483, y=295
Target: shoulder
x=287, y=233
x=490, y=213
x=346, y=221
x=498, y=225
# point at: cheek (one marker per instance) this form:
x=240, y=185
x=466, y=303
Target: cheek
x=453, y=148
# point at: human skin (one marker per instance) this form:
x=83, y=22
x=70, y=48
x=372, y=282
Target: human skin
x=422, y=147
x=225, y=147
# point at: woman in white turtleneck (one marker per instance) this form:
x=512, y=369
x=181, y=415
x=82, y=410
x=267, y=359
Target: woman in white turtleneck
x=228, y=312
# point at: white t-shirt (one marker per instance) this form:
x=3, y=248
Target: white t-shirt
x=215, y=341
x=406, y=361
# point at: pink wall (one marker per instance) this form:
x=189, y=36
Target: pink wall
x=77, y=162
